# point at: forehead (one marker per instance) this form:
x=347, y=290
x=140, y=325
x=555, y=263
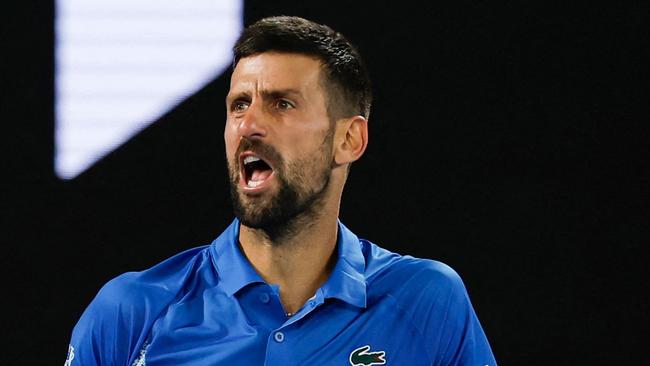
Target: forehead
x=276, y=71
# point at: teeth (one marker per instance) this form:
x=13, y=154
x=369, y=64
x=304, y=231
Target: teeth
x=250, y=159
x=254, y=183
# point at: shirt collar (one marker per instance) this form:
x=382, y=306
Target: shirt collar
x=234, y=270
x=346, y=283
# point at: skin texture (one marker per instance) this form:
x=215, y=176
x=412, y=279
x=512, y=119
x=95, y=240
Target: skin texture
x=276, y=109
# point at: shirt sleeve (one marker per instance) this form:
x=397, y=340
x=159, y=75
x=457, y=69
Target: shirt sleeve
x=466, y=343
x=115, y=326
x=109, y=329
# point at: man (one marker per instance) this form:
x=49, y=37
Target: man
x=287, y=283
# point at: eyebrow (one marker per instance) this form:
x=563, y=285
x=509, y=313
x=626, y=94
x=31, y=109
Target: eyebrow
x=266, y=94
x=272, y=94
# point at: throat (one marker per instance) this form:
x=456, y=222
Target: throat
x=299, y=267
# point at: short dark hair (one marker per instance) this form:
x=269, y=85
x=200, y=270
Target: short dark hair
x=346, y=79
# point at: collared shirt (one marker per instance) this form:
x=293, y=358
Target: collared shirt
x=208, y=306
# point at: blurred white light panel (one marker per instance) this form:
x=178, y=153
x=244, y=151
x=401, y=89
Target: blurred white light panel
x=121, y=64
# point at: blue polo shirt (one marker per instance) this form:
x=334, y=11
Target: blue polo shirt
x=208, y=306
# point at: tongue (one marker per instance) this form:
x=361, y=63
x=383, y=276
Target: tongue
x=259, y=175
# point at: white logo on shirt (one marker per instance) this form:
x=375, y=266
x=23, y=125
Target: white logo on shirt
x=141, y=360
x=70, y=357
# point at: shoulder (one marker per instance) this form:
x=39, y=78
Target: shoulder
x=426, y=291
x=433, y=298
x=117, y=320
x=402, y=275
x=135, y=289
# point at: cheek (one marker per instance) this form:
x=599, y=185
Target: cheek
x=312, y=157
x=230, y=139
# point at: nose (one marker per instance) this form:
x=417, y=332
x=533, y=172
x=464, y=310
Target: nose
x=252, y=124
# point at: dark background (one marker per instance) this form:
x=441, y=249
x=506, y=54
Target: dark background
x=508, y=141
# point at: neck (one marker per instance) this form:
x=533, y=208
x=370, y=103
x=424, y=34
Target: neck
x=299, y=263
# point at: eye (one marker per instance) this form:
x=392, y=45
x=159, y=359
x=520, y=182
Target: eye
x=238, y=106
x=283, y=104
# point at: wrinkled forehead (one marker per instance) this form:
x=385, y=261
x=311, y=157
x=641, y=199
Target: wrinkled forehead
x=274, y=70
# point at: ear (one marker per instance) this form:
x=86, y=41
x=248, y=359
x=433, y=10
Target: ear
x=351, y=139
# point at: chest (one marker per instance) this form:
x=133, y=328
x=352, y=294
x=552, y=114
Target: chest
x=219, y=330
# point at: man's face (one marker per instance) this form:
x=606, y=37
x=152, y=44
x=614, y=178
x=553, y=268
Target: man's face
x=278, y=138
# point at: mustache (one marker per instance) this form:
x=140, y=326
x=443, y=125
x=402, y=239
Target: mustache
x=265, y=152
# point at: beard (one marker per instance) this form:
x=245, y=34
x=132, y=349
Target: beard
x=303, y=185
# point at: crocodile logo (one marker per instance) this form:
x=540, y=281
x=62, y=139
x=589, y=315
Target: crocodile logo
x=361, y=357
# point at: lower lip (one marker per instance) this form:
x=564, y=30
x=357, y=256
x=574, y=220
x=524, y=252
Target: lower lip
x=266, y=183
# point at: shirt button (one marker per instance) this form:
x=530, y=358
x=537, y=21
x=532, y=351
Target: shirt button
x=279, y=337
x=264, y=297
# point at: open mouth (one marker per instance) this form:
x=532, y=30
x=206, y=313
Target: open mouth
x=255, y=170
